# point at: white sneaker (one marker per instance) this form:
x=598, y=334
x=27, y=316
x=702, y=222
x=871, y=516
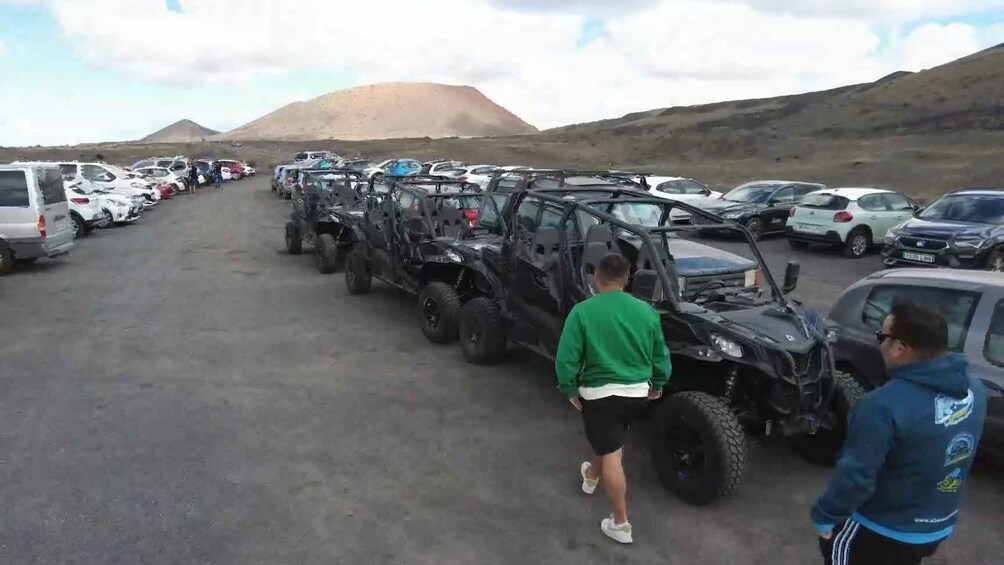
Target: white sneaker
x=588, y=485
x=621, y=533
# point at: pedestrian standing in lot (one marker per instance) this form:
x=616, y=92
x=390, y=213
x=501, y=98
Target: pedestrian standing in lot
x=218, y=173
x=612, y=360
x=193, y=177
x=895, y=492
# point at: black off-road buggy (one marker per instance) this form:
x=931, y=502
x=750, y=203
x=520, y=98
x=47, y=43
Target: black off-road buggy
x=747, y=360
x=326, y=203
x=403, y=240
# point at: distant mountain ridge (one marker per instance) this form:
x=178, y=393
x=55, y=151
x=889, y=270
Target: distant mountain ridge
x=387, y=111
x=181, y=131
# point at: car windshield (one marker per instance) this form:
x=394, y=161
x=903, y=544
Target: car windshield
x=300, y=156
x=751, y=193
x=824, y=202
x=984, y=209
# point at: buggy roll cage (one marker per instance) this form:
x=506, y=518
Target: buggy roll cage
x=418, y=185
x=645, y=234
x=530, y=175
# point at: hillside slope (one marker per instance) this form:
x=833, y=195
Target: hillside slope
x=181, y=131
x=962, y=95
x=384, y=111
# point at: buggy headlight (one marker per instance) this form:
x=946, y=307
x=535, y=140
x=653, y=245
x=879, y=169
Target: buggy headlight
x=832, y=336
x=726, y=345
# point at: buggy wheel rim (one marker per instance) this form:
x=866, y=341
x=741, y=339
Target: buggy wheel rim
x=859, y=245
x=430, y=310
x=687, y=451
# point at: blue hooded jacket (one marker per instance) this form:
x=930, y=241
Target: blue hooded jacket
x=910, y=445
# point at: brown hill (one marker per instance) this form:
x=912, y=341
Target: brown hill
x=180, y=131
x=385, y=111
x=963, y=95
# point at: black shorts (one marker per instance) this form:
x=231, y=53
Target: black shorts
x=608, y=419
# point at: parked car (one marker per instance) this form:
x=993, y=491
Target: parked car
x=177, y=165
x=354, y=164
x=377, y=169
x=85, y=212
x=34, y=215
x=120, y=209
x=160, y=174
x=314, y=155
x=441, y=167
x=963, y=229
x=235, y=169
x=762, y=206
x=973, y=305
x=478, y=174
x=114, y=179
x=403, y=167
x=248, y=170
x=679, y=189
x=851, y=219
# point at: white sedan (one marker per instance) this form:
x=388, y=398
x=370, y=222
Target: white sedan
x=682, y=190
x=164, y=175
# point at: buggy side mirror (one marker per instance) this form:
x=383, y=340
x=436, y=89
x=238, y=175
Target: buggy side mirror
x=791, y=276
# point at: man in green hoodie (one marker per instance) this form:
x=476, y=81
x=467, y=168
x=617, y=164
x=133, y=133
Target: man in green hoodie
x=612, y=359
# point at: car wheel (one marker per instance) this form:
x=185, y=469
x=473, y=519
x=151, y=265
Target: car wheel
x=358, y=277
x=996, y=261
x=294, y=240
x=78, y=226
x=822, y=447
x=439, y=307
x=326, y=253
x=755, y=227
x=698, y=447
x=859, y=241
x=797, y=245
x=482, y=333
x=6, y=259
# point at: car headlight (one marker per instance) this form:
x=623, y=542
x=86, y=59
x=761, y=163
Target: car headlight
x=732, y=216
x=454, y=256
x=972, y=243
x=726, y=345
x=832, y=336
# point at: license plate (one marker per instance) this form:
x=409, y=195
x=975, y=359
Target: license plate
x=922, y=257
x=811, y=228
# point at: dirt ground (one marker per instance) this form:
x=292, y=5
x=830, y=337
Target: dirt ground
x=183, y=391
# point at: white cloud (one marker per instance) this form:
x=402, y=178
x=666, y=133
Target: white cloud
x=524, y=53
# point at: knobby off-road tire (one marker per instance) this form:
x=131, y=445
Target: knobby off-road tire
x=858, y=244
x=698, y=447
x=326, y=254
x=482, y=333
x=824, y=446
x=439, y=312
x=294, y=240
x=358, y=277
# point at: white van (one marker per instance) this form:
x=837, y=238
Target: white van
x=34, y=215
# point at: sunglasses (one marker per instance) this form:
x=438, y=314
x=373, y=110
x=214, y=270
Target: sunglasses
x=881, y=336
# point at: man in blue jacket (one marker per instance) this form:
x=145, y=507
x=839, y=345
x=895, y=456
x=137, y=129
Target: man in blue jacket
x=895, y=493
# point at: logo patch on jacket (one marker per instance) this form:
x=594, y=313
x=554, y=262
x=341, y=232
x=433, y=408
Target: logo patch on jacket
x=960, y=448
x=951, y=483
x=949, y=411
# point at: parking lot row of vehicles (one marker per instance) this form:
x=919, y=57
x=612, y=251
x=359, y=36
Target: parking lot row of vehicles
x=46, y=205
x=502, y=265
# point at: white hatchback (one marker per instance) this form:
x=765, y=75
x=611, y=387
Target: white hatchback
x=682, y=190
x=852, y=219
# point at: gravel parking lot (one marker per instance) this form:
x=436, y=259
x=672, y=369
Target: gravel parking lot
x=183, y=391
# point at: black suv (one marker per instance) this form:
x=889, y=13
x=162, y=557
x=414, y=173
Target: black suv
x=326, y=203
x=963, y=229
x=762, y=206
x=404, y=239
x=745, y=358
x=973, y=305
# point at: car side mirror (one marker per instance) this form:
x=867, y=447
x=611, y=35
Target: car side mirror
x=791, y=273
x=918, y=210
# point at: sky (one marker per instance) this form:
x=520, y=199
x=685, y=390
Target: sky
x=99, y=70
